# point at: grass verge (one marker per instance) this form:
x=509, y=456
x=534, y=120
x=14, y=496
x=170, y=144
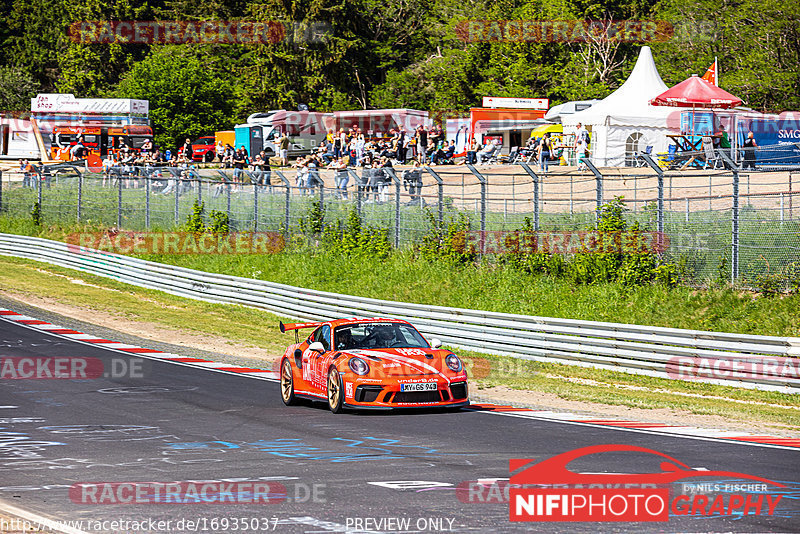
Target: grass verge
x=258, y=328
x=406, y=278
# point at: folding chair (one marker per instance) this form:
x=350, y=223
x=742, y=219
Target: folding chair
x=648, y=150
x=512, y=156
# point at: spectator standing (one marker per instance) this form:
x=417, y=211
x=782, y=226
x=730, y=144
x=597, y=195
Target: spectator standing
x=239, y=161
x=302, y=174
x=341, y=179
x=313, y=179
x=422, y=143
x=227, y=158
x=186, y=149
x=360, y=143
x=545, y=148
x=749, y=149
x=220, y=151
x=283, y=146
x=412, y=180
x=580, y=150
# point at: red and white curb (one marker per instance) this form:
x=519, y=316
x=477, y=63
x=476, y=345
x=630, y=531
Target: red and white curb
x=133, y=349
x=512, y=411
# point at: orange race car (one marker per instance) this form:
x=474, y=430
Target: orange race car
x=373, y=363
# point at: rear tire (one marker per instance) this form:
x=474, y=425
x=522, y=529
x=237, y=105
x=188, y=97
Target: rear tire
x=335, y=393
x=287, y=384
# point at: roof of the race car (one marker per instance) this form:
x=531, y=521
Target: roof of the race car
x=340, y=322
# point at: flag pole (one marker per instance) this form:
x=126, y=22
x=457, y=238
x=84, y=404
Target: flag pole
x=716, y=72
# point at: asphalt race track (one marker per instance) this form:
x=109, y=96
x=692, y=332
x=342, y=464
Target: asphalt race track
x=164, y=422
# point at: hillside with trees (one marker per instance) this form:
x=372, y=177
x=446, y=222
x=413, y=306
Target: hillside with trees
x=337, y=54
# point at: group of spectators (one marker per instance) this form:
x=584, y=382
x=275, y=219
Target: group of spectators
x=28, y=172
x=427, y=146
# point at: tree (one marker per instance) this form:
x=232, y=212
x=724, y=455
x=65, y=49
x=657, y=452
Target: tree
x=190, y=94
x=17, y=87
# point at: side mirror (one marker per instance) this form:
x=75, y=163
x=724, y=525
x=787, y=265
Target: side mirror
x=435, y=343
x=317, y=347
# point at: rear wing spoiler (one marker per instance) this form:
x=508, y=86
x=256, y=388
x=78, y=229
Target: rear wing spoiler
x=296, y=326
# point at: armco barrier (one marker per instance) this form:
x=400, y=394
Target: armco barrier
x=762, y=362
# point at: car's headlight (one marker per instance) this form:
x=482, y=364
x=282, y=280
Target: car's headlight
x=358, y=366
x=453, y=362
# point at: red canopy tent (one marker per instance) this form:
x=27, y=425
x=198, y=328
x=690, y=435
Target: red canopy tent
x=696, y=92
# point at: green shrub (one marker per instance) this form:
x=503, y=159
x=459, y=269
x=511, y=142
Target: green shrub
x=354, y=239
x=195, y=223
x=220, y=223
x=36, y=214
x=449, y=240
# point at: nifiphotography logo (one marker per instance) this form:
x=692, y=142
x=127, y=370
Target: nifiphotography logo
x=548, y=491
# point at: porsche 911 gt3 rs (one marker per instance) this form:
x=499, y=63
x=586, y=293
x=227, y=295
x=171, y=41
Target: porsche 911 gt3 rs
x=372, y=363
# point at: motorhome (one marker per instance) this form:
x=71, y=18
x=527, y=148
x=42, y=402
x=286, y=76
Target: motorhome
x=18, y=139
x=262, y=131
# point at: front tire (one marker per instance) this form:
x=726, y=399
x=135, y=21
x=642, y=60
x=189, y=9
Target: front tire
x=335, y=393
x=287, y=384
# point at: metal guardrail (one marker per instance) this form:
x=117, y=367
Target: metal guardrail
x=762, y=362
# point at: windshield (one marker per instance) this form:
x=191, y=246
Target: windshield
x=272, y=135
x=378, y=336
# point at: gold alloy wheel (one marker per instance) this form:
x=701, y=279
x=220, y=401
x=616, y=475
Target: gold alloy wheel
x=287, y=383
x=334, y=391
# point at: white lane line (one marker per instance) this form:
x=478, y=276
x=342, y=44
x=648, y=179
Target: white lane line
x=661, y=431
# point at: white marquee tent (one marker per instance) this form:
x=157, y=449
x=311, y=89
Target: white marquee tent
x=624, y=122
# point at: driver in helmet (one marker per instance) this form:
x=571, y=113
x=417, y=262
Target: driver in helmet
x=344, y=339
x=387, y=336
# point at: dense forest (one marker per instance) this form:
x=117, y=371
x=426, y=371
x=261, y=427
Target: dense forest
x=351, y=54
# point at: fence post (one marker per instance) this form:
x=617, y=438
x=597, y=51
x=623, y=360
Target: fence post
x=119, y=202
x=535, y=178
x=288, y=194
x=199, y=190
x=598, y=179
x=255, y=207
x=735, y=229
x=357, y=182
x=322, y=196
x=1, y=191
x=228, y=198
x=440, y=201
x=39, y=177
x=147, y=182
x=687, y=209
x=393, y=176
x=482, y=179
x=80, y=194
x=178, y=185
x=660, y=214
x=781, y=208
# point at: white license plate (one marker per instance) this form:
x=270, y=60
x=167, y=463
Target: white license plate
x=425, y=386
